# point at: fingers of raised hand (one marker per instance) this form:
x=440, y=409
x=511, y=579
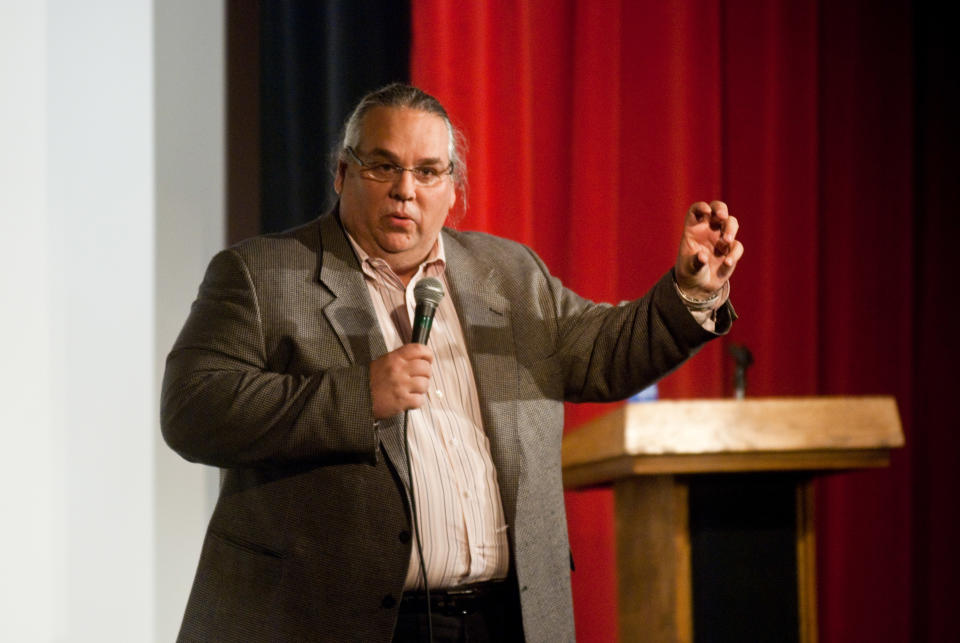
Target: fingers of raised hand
x=730, y=260
x=714, y=212
x=730, y=228
x=698, y=212
x=719, y=210
x=710, y=249
x=724, y=245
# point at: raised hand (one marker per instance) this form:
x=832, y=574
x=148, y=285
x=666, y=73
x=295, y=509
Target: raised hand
x=709, y=250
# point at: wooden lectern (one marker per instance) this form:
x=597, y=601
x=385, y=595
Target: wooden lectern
x=713, y=505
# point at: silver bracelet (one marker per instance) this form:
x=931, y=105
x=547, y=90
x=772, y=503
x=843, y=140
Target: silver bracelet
x=701, y=304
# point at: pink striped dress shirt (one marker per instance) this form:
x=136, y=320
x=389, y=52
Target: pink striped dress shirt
x=462, y=527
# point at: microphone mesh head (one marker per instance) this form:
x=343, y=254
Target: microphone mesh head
x=428, y=290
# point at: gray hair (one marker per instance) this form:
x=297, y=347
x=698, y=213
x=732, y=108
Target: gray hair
x=399, y=95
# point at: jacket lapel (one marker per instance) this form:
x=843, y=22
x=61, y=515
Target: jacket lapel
x=486, y=320
x=350, y=313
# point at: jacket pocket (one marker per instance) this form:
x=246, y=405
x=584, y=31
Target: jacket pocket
x=246, y=545
x=238, y=598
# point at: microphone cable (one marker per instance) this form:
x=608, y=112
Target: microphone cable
x=415, y=519
x=427, y=293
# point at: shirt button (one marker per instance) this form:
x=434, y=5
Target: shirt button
x=404, y=536
x=466, y=494
x=439, y=393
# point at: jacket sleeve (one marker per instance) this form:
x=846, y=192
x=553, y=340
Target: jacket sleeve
x=611, y=352
x=221, y=406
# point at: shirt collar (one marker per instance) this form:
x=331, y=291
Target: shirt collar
x=374, y=267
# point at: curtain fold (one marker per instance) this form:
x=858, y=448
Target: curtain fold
x=865, y=298
x=593, y=126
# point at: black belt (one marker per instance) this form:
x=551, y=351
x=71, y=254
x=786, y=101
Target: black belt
x=454, y=601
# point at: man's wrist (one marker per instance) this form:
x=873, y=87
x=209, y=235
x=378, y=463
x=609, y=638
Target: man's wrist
x=712, y=302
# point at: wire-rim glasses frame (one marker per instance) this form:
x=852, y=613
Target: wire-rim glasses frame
x=386, y=172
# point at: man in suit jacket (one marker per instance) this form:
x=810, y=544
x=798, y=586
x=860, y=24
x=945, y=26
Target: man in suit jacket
x=290, y=375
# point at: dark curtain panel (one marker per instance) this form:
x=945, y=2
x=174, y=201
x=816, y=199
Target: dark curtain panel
x=243, y=119
x=936, y=561
x=316, y=61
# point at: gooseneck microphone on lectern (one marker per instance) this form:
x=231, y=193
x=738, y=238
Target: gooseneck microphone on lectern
x=427, y=293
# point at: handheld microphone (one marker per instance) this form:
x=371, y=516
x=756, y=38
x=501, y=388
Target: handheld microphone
x=427, y=293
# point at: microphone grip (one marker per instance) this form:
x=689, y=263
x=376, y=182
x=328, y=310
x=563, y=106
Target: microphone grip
x=423, y=321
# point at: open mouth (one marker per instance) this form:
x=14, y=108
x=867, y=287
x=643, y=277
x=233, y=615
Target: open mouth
x=399, y=219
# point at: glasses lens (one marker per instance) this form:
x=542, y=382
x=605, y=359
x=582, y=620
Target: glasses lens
x=426, y=175
x=381, y=171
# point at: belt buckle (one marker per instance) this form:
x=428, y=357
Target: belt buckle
x=457, y=602
x=462, y=592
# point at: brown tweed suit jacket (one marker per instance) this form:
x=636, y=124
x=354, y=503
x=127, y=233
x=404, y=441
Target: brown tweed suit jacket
x=310, y=538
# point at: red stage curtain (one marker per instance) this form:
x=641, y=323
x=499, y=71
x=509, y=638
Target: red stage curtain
x=593, y=126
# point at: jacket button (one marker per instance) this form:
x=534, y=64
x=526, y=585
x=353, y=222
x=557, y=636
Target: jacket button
x=404, y=536
x=388, y=601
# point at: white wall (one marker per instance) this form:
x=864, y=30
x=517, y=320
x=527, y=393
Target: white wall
x=189, y=81
x=111, y=202
x=32, y=493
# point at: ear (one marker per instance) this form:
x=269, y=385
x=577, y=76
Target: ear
x=338, y=179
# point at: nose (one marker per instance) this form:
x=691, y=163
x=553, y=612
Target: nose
x=404, y=188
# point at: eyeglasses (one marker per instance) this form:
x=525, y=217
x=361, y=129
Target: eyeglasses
x=384, y=172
